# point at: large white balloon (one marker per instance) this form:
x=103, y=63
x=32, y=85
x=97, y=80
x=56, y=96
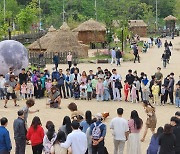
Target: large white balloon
x=12, y=54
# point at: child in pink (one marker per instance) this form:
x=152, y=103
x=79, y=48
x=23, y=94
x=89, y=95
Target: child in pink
x=126, y=90
x=23, y=90
x=48, y=86
x=133, y=93
x=99, y=90
x=30, y=89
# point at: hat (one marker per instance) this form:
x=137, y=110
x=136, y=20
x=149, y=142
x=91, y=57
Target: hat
x=98, y=116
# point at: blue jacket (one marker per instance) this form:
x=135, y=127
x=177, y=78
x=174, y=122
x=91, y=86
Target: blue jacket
x=56, y=60
x=5, y=142
x=102, y=128
x=153, y=146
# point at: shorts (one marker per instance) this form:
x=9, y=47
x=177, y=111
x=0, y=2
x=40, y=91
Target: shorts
x=13, y=95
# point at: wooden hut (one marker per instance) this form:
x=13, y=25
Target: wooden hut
x=65, y=40
x=43, y=43
x=170, y=23
x=138, y=27
x=91, y=31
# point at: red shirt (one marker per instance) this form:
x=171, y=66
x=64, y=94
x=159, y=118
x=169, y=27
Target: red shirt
x=35, y=136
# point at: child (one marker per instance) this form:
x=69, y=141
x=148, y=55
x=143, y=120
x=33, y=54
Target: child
x=94, y=83
x=106, y=89
x=99, y=90
x=43, y=82
x=30, y=89
x=23, y=90
x=126, y=90
x=163, y=90
x=38, y=88
x=83, y=88
x=89, y=90
x=133, y=93
x=177, y=95
x=76, y=89
x=48, y=87
x=17, y=91
x=155, y=92
x=2, y=87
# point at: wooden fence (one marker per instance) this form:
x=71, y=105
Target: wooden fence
x=41, y=59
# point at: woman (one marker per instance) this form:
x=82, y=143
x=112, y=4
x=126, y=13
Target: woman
x=167, y=141
x=151, y=118
x=145, y=88
x=66, y=127
x=49, y=139
x=36, y=134
x=87, y=122
x=55, y=98
x=69, y=59
x=75, y=115
x=154, y=144
x=56, y=148
x=84, y=77
x=135, y=125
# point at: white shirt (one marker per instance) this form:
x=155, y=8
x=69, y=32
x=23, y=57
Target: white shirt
x=119, y=126
x=78, y=142
x=2, y=82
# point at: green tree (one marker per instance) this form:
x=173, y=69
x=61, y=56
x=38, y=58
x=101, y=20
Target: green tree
x=28, y=16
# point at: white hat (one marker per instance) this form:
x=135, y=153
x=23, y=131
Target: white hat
x=98, y=116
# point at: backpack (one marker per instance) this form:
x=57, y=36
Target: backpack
x=96, y=132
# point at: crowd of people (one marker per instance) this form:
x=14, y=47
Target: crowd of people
x=85, y=134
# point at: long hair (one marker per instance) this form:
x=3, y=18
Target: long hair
x=67, y=123
x=159, y=132
x=146, y=103
x=61, y=137
x=51, y=131
x=88, y=117
x=35, y=122
x=137, y=121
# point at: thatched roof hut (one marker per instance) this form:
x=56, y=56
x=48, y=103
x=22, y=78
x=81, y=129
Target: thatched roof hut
x=170, y=23
x=43, y=43
x=138, y=27
x=65, y=40
x=91, y=31
x=170, y=18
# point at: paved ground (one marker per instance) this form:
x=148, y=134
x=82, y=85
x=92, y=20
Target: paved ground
x=149, y=62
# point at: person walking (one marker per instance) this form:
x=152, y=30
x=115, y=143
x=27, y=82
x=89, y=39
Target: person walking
x=113, y=56
x=135, y=125
x=56, y=60
x=118, y=56
x=5, y=141
x=36, y=134
x=164, y=59
x=69, y=59
x=77, y=140
x=136, y=53
x=171, y=88
x=151, y=119
x=120, y=130
x=20, y=133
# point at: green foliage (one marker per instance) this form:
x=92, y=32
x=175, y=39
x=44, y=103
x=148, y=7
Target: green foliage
x=28, y=16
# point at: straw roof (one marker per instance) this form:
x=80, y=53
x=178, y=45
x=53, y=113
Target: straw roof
x=44, y=41
x=170, y=17
x=65, y=40
x=137, y=23
x=90, y=25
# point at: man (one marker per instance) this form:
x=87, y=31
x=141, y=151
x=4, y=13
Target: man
x=22, y=76
x=56, y=60
x=11, y=84
x=98, y=133
x=130, y=77
x=61, y=82
x=5, y=141
x=7, y=76
x=20, y=133
x=158, y=78
x=68, y=84
x=91, y=75
x=77, y=140
x=177, y=114
x=118, y=56
x=136, y=53
x=116, y=85
x=113, y=55
x=166, y=44
x=120, y=131
x=74, y=68
x=170, y=88
x=176, y=131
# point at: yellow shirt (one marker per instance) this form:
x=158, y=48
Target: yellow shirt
x=155, y=89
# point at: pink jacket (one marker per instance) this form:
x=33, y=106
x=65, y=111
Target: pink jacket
x=99, y=88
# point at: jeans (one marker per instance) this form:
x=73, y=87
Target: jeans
x=56, y=66
x=98, y=149
x=119, y=146
x=118, y=61
x=136, y=56
x=37, y=149
x=69, y=89
x=76, y=94
x=116, y=94
x=69, y=64
x=2, y=92
x=171, y=97
x=164, y=63
x=177, y=101
x=20, y=146
x=62, y=88
x=89, y=95
x=106, y=95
